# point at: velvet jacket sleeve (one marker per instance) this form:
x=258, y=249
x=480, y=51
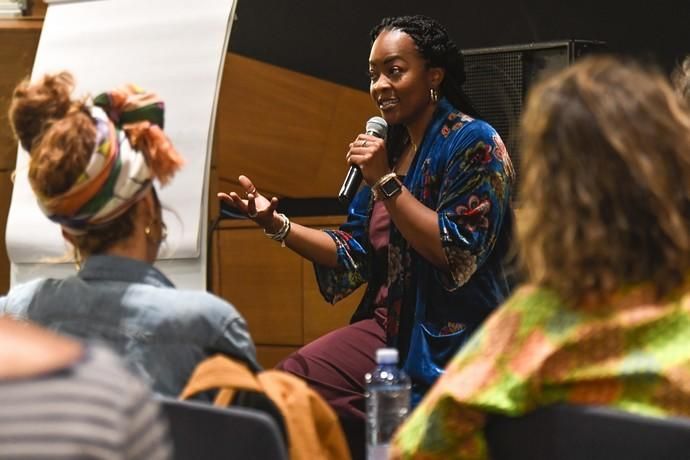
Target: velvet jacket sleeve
x=473, y=197
x=354, y=250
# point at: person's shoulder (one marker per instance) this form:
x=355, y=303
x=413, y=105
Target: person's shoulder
x=20, y=295
x=476, y=127
x=462, y=131
x=529, y=308
x=189, y=303
x=475, y=137
x=534, y=299
x=201, y=297
x=28, y=287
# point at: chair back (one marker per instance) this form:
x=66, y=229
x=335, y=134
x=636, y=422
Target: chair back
x=312, y=427
x=205, y=432
x=570, y=432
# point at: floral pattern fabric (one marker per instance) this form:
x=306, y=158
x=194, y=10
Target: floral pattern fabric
x=630, y=352
x=462, y=171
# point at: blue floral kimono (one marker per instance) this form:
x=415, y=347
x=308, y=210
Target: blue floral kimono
x=461, y=170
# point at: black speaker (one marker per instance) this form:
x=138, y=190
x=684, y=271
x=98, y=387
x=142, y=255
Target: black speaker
x=498, y=78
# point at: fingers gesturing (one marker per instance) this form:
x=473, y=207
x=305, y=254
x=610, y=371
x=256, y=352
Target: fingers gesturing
x=254, y=205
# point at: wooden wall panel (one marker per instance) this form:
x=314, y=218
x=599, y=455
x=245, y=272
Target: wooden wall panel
x=320, y=317
x=5, y=196
x=17, y=51
x=213, y=188
x=269, y=356
x=18, y=42
x=37, y=8
x=272, y=287
x=262, y=281
x=287, y=131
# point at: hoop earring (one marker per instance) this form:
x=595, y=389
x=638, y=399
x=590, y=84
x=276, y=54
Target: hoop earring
x=433, y=93
x=163, y=233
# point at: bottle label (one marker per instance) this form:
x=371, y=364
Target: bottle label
x=377, y=452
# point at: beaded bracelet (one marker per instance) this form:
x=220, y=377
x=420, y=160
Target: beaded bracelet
x=282, y=233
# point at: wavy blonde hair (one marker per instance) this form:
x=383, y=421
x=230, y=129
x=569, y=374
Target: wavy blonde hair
x=681, y=78
x=605, y=187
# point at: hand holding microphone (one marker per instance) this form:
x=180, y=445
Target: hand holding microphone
x=376, y=126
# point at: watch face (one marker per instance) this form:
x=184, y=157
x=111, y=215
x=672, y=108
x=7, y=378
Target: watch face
x=390, y=187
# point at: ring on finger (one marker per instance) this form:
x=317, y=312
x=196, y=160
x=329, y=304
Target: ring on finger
x=364, y=143
x=252, y=215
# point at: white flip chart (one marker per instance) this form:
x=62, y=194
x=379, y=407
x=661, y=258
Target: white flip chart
x=174, y=48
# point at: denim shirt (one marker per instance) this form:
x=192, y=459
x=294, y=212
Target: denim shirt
x=161, y=332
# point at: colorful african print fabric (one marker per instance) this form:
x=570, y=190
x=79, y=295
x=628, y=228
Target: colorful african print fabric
x=631, y=352
x=463, y=172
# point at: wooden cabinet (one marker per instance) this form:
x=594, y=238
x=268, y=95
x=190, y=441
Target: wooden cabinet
x=273, y=288
x=18, y=43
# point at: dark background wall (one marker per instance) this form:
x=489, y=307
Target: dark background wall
x=329, y=39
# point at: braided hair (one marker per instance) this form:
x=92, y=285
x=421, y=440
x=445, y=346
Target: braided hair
x=436, y=47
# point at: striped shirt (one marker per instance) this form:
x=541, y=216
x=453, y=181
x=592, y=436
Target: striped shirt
x=93, y=409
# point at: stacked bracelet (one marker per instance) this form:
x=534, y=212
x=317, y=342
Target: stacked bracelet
x=282, y=233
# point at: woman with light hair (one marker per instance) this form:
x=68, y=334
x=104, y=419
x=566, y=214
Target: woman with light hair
x=604, y=318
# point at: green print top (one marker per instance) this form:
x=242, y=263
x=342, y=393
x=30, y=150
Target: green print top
x=631, y=352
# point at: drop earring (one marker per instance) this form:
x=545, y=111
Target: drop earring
x=433, y=94
x=77, y=258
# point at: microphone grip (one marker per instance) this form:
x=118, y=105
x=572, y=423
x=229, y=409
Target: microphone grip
x=350, y=185
x=353, y=178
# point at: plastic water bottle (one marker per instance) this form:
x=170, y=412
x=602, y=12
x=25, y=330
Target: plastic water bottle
x=388, y=402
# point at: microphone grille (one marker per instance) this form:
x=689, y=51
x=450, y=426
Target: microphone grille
x=377, y=126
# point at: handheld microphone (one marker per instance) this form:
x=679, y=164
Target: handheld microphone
x=376, y=126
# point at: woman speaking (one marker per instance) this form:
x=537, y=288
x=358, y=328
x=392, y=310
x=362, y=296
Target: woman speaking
x=427, y=232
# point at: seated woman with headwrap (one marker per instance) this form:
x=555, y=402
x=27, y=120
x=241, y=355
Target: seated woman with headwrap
x=92, y=169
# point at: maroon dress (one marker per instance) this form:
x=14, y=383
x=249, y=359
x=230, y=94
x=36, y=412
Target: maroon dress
x=334, y=364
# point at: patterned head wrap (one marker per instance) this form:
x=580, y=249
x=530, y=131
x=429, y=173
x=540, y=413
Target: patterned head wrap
x=131, y=150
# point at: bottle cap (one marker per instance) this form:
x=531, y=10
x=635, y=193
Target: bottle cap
x=387, y=356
